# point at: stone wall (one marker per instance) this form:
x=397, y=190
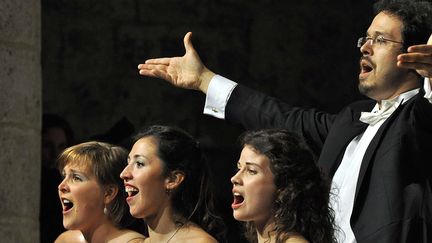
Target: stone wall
x=20, y=109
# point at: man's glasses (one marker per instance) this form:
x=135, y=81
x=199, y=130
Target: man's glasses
x=380, y=40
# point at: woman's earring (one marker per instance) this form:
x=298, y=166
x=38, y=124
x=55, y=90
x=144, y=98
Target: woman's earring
x=168, y=191
x=105, y=210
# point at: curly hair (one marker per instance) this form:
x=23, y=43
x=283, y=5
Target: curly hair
x=106, y=162
x=193, y=199
x=415, y=15
x=302, y=193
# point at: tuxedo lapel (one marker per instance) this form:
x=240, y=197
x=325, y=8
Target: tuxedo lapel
x=371, y=150
x=348, y=125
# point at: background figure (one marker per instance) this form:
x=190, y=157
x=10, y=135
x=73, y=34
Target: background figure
x=92, y=194
x=279, y=191
x=119, y=134
x=168, y=185
x=373, y=149
x=57, y=134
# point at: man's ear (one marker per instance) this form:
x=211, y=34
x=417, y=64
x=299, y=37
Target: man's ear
x=110, y=193
x=174, y=179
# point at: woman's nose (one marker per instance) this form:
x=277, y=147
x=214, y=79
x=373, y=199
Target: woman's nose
x=125, y=174
x=63, y=187
x=235, y=180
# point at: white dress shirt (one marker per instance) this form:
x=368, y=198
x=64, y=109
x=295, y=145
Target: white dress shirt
x=218, y=93
x=344, y=181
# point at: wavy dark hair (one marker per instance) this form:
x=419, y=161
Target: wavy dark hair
x=193, y=199
x=415, y=15
x=106, y=161
x=302, y=194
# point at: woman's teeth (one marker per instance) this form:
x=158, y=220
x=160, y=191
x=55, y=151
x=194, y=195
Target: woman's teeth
x=67, y=204
x=238, y=198
x=131, y=191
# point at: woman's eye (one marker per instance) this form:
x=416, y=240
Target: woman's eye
x=139, y=164
x=251, y=171
x=76, y=178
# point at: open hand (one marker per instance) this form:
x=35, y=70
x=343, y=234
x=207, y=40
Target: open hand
x=187, y=71
x=419, y=57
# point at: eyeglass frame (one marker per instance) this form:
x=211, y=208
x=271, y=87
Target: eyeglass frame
x=378, y=39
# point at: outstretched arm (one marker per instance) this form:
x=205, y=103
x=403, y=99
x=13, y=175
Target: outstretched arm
x=419, y=57
x=186, y=72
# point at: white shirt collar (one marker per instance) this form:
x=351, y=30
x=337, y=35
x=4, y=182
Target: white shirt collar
x=387, y=107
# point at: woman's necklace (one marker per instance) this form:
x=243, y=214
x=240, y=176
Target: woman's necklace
x=175, y=232
x=172, y=236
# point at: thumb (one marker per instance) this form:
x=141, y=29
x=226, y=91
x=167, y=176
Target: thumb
x=188, y=42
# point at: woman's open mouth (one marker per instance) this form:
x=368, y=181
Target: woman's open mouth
x=67, y=205
x=131, y=192
x=238, y=200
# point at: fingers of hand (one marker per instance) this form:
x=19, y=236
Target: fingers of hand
x=159, y=61
x=427, y=49
x=424, y=69
x=415, y=57
x=152, y=70
x=157, y=74
x=420, y=61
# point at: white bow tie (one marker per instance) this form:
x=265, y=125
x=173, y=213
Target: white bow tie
x=378, y=114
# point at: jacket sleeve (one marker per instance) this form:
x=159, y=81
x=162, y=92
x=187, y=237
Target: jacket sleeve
x=255, y=110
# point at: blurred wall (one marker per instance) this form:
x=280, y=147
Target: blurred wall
x=20, y=109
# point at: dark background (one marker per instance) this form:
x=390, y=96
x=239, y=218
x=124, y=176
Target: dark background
x=303, y=52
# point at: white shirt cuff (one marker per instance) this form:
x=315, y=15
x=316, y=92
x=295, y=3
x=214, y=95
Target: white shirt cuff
x=218, y=93
x=428, y=90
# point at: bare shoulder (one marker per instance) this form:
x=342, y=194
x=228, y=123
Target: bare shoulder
x=70, y=236
x=296, y=238
x=195, y=234
x=128, y=236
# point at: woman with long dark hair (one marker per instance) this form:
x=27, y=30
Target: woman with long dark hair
x=167, y=181
x=279, y=191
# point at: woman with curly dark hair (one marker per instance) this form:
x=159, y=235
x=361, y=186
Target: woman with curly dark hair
x=167, y=181
x=279, y=191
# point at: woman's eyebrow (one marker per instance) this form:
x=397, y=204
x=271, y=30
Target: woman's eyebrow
x=253, y=164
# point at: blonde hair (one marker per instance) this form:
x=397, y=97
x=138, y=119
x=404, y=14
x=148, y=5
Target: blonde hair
x=105, y=161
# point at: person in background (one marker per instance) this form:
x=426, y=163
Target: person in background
x=92, y=194
x=279, y=191
x=374, y=150
x=168, y=185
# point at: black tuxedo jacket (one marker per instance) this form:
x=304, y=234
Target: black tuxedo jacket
x=393, y=199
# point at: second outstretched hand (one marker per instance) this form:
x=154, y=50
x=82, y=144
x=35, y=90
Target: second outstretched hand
x=186, y=71
x=418, y=57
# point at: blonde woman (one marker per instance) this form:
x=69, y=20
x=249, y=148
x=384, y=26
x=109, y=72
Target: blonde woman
x=92, y=194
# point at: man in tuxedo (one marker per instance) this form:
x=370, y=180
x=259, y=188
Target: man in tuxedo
x=375, y=151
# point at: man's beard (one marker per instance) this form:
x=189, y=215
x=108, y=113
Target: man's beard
x=364, y=88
